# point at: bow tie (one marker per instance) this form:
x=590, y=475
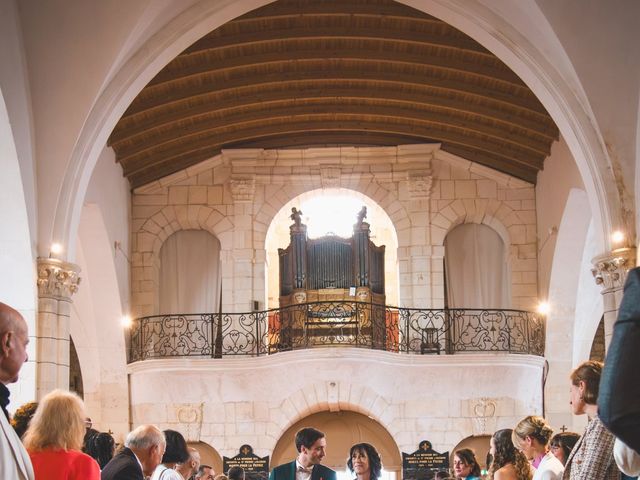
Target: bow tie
x=305, y=470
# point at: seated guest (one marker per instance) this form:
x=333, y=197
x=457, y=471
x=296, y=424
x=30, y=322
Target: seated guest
x=101, y=447
x=175, y=453
x=465, y=465
x=508, y=463
x=142, y=452
x=236, y=473
x=531, y=436
x=561, y=445
x=442, y=475
x=592, y=456
x=364, y=461
x=54, y=439
x=22, y=417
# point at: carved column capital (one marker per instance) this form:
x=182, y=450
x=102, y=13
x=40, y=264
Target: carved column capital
x=57, y=279
x=610, y=270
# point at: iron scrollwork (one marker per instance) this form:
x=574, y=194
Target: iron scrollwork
x=335, y=324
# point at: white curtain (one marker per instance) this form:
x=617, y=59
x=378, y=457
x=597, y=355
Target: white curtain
x=476, y=268
x=190, y=279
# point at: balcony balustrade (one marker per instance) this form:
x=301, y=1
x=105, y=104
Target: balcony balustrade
x=336, y=324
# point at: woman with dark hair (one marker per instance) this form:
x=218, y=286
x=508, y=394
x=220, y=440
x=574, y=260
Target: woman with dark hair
x=561, y=445
x=465, y=465
x=592, y=456
x=101, y=447
x=176, y=452
x=531, y=436
x=508, y=463
x=364, y=461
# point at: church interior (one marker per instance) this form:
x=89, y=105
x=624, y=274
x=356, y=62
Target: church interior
x=394, y=221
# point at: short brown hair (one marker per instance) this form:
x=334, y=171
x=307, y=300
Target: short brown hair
x=58, y=423
x=588, y=372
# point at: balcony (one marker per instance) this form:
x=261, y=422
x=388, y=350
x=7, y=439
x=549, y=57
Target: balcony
x=337, y=324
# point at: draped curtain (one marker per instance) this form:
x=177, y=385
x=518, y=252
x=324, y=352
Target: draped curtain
x=476, y=268
x=190, y=277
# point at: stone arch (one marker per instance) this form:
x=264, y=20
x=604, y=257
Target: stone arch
x=375, y=192
x=149, y=240
x=334, y=397
x=392, y=288
x=494, y=214
x=505, y=34
x=18, y=288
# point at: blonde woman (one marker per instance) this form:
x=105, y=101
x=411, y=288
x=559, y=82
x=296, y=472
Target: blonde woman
x=592, y=456
x=531, y=436
x=54, y=439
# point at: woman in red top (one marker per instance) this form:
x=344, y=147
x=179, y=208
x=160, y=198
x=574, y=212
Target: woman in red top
x=54, y=439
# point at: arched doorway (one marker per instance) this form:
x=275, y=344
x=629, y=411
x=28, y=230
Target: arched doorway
x=342, y=430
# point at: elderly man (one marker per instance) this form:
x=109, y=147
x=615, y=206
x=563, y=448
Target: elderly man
x=190, y=467
x=14, y=337
x=143, y=452
x=205, y=472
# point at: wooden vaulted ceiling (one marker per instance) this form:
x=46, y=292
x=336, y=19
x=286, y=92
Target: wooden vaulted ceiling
x=309, y=73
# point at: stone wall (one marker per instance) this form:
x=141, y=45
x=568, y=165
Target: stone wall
x=230, y=402
x=424, y=191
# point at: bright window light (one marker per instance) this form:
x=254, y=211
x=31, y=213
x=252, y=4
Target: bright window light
x=335, y=214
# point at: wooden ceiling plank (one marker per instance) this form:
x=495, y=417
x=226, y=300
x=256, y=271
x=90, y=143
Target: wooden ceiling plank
x=264, y=112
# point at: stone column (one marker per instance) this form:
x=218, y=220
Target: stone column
x=610, y=271
x=57, y=281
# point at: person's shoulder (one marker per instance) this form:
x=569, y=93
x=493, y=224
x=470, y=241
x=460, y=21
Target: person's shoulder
x=283, y=466
x=85, y=465
x=508, y=472
x=327, y=471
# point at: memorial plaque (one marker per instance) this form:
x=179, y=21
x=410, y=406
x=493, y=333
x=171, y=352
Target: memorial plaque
x=255, y=467
x=423, y=463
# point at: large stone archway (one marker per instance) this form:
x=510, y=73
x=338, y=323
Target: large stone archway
x=504, y=33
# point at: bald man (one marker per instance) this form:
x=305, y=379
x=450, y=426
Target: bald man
x=14, y=337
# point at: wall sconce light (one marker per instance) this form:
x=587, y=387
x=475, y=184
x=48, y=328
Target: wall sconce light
x=126, y=321
x=56, y=249
x=543, y=308
x=617, y=237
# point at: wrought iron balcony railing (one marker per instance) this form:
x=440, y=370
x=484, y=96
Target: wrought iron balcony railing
x=322, y=324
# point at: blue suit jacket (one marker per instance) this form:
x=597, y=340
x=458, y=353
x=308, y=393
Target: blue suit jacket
x=287, y=471
x=619, y=398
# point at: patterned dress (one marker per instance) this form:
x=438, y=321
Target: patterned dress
x=592, y=456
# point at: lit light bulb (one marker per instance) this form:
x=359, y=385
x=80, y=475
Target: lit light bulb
x=125, y=321
x=544, y=308
x=56, y=248
x=617, y=237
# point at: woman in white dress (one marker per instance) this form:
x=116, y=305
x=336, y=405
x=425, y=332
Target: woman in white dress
x=531, y=436
x=175, y=453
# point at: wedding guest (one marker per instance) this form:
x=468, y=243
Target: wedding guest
x=176, y=452
x=465, y=465
x=508, y=462
x=561, y=445
x=22, y=417
x=54, y=439
x=592, y=456
x=531, y=436
x=364, y=461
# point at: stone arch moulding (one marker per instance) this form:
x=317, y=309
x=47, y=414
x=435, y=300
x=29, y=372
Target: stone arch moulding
x=334, y=397
x=172, y=219
x=386, y=200
x=500, y=32
x=496, y=223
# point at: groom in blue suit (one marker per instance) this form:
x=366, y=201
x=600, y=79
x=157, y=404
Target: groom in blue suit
x=311, y=446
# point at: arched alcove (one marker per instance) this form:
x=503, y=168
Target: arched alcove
x=476, y=268
x=383, y=232
x=342, y=430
